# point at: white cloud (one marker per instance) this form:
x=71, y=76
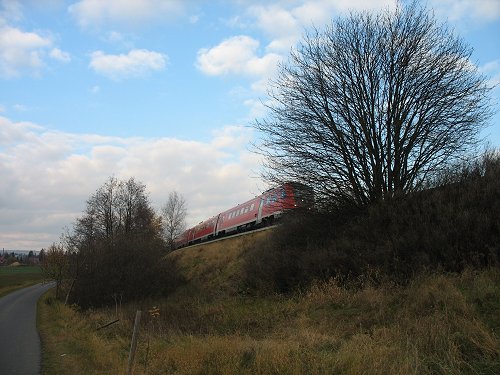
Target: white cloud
x=194, y=18
x=10, y=10
x=95, y=13
x=20, y=107
x=479, y=10
x=492, y=70
x=136, y=63
x=236, y=55
x=258, y=108
x=21, y=51
x=36, y=203
x=59, y=55
x=285, y=22
x=279, y=23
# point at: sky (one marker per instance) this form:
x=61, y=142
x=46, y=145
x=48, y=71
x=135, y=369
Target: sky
x=164, y=91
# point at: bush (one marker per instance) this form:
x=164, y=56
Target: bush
x=125, y=272
x=453, y=225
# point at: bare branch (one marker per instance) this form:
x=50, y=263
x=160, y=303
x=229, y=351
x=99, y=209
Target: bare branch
x=373, y=105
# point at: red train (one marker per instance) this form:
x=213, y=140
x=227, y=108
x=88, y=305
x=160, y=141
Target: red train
x=259, y=211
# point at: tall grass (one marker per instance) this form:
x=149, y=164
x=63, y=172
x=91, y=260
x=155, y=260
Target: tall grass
x=437, y=324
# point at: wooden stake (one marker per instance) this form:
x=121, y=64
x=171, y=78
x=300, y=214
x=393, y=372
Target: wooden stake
x=133, y=346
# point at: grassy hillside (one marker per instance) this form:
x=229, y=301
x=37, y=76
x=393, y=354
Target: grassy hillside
x=438, y=324
x=216, y=268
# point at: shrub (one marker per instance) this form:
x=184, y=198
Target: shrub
x=453, y=225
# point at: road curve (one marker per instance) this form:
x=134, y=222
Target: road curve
x=20, y=349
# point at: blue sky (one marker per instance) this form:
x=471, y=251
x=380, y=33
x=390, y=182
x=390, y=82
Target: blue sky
x=162, y=91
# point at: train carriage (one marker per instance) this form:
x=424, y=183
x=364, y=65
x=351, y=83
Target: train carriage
x=260, y=211
x=239, y=217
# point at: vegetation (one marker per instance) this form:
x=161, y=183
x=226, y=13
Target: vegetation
x=410, y=285
x=13, y=278
x=174, y=217
x=55, y=266
x=397, y=272
x=114, y=251
x=436, y=324
x=373, y=106
x=448, y=228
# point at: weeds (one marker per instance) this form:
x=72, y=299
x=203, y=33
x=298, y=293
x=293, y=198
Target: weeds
x=436, y=324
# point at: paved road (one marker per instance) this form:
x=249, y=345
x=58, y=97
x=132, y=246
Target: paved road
x=20, y=349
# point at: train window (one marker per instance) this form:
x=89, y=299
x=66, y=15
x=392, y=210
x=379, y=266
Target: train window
x=283, y=194
x=252, y=206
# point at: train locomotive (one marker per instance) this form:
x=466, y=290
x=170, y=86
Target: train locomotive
x=260, y=211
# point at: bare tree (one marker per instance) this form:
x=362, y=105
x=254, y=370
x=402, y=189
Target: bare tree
x=55, y=265
x=373, y=105
x=116, y=245
x=174, y=215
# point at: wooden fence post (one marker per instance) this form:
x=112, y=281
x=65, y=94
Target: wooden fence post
x=133, y=346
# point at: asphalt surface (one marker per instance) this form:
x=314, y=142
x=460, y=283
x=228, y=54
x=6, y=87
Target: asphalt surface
x=20, y=349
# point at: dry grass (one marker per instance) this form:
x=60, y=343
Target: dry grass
x=439, y=324
x=71, y=343
x=215, y=268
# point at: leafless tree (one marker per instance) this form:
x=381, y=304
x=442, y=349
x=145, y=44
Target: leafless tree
x=116, y=245
x=373, y=105
x=55, y=265
x=174, y=215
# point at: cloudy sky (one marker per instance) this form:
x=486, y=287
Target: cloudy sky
x=159, y=90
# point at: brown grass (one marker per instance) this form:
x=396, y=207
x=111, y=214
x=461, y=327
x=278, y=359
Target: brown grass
x=438, y=324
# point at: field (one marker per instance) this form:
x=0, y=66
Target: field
x=438, y=324
x=13, y=278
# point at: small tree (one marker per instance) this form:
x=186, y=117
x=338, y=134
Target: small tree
x=55, y=265
x=116, y=246
x=174, y=215
x=373, y=105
